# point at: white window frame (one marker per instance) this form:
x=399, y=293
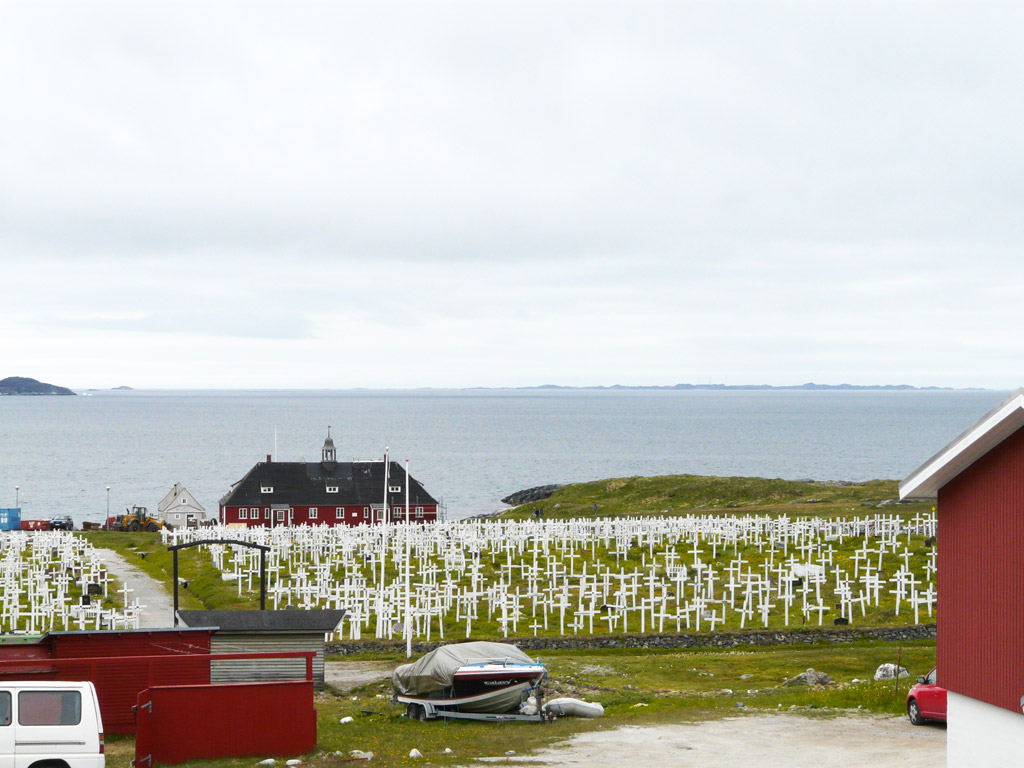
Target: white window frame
x=366, y=513
x=280, y=515
x=266, y=489
x=243, y=513
x=313, y=513
x=266, y=513
x=339, y=513
x=419, y=511
x=332, y=489
x=395, y=488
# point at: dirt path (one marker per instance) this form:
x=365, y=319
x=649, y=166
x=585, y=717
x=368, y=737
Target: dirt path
x=850, y=741
x=157, y=605
x=346, y=675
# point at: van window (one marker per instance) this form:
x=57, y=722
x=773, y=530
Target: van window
x=5, y=708
x=49, y=708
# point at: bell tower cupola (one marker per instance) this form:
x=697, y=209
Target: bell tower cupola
x=329, y=456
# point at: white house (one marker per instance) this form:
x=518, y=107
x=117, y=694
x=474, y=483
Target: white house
x=179, y=508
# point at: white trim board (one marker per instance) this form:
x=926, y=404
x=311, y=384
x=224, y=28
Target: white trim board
x=994, y=427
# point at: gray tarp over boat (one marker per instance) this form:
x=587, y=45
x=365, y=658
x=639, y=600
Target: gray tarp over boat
x=436, y=670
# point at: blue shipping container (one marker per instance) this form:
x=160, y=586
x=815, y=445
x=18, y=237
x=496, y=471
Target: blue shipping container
x=10, y=519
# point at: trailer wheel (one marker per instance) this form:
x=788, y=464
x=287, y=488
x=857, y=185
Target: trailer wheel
x=416, y=711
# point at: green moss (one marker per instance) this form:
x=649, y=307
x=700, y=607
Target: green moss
x=688, y=494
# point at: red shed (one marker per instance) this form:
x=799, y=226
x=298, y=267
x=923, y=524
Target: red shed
x=978, y=483
x=113, y=661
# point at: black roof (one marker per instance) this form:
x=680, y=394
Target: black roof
x=306, y=483
x=265, y=621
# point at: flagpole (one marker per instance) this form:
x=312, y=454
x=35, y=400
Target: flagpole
x=383, y=547
x=408, y=534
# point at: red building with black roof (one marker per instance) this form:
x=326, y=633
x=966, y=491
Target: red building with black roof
x=327, y=492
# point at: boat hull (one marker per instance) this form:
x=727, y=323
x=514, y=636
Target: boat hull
x=491, y=702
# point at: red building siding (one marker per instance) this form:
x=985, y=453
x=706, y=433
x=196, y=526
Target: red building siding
x=120, y=664
x=300, y=515
x=981, y=578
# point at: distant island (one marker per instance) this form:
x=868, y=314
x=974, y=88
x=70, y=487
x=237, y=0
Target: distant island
x=718, y=387
x=122, y=388
x=20, y=385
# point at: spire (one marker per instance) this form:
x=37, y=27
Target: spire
x=329, y=456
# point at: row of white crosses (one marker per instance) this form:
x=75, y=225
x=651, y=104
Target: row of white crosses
x=641, y=574
x=43, y=575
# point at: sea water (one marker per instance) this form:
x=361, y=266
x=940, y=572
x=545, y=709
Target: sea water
x=468, y=447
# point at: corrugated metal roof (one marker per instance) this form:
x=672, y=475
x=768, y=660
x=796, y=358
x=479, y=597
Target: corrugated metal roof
x=266, y=621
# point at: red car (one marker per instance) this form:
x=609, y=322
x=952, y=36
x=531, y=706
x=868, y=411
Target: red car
x=926, y=700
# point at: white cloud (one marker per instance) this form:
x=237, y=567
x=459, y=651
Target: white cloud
x=510, y=193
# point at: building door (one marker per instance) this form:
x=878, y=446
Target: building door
x=6, y=728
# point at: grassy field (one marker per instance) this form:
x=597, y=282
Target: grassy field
x=636, y=686
x=206, y=588
x=687, y=494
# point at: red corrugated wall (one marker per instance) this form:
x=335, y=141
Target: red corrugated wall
x=118, y=679
x=981, y=578
x=236, y=720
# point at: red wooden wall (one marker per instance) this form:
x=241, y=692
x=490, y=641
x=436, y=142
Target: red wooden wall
x=981, y=578
x=234, y=720
x=119, y=664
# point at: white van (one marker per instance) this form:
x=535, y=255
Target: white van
x=50, y=724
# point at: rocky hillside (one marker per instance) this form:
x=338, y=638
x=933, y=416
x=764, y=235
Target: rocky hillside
x=19, y=385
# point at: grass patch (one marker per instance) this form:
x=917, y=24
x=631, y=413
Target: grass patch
x=688, y=494
x=206, y=589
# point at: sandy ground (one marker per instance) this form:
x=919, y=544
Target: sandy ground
x=346, y=675
x=782, y=741
x=157, y=605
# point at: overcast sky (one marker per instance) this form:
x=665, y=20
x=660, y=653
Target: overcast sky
x=444, y=194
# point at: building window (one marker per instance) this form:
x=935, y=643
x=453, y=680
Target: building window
x=339, y=512
x=280, y=515
x=366, y=513
x=419, y=511
x=332, y=489
x=266, y=513
x=266, y=489
x=243, y=513
x=395, y=489
x=312, y=513
x=184, y=501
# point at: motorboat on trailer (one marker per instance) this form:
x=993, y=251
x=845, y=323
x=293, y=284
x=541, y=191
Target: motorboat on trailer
x=478, y=680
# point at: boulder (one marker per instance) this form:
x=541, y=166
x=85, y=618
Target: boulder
x=889, y=672
x=530, y=495
x=810, y=677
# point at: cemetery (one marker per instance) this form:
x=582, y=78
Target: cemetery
x=53, y=580
x=534, y=578
x=602, y=596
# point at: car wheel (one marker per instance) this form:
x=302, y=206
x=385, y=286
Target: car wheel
x=914, y=713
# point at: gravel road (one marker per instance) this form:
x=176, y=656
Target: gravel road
x=848, y=741
x=157, y=604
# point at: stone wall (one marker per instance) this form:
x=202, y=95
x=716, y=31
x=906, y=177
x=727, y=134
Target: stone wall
x=808, y=636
